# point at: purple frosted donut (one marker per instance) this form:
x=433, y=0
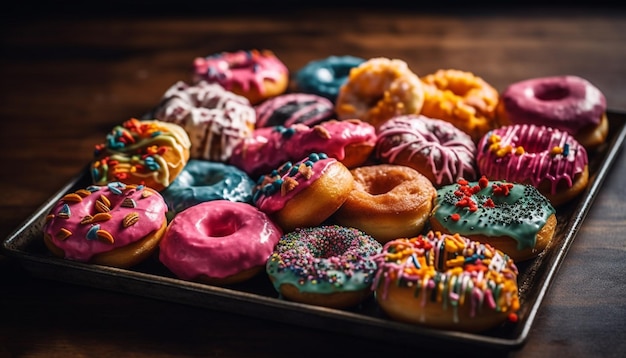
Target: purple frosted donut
x=288, y=109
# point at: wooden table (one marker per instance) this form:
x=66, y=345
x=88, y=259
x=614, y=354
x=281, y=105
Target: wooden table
x=67, y=80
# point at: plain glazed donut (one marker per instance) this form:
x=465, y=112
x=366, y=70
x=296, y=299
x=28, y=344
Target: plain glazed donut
x=329, y=266
x=218, y=242
x=387, y=202
x=255, y=74
x=115, y=225
x=202, y=180
x=447, y=282
x=144, y=152
x=514, y=218
x=435, y=148
x=215, y=119
x=324, y=77
x=568, y=103
x=292, y=108
x=304, y=193
x=547, y=158
x=461, y=98
x=350, y=141
x=378, y=89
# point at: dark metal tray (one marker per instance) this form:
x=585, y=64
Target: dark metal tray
x=257, y=297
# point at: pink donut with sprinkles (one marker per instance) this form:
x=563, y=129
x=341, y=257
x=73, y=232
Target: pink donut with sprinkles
x=254, y=74
x=218, y=242
x=568, y=103
x=116, y=224
x=547, y=158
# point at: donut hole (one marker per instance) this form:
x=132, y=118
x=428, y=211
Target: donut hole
x=225, y=227
x=551, y=93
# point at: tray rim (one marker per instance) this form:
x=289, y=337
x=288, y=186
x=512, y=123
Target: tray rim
x=168, y=289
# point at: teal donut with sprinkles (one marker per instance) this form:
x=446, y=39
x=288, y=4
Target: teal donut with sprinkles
x=513, y=217
x=331, y=265
x=324, y=77
x=203, y=180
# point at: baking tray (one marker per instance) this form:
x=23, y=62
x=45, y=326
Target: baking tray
x=257, y=297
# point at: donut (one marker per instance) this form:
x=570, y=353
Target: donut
x=388, y=201
x=378, y=89
x=568, y=103
x=218, y=242
x=291, y=108
x=461, y=98
x=146, y=152
x=215, y=119
x=514, y=218
x=350, y=141
x=116, y=225
x=324, y=77
x=447, y=282
x=304, y=193
x=547, y=158
x=202, y=180
x=435, y=148
x=254, y=74
x=330, y=266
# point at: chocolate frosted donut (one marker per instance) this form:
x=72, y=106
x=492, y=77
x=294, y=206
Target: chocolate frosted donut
x=293, y=108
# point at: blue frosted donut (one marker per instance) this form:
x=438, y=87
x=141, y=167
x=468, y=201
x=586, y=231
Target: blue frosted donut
x=203, y=180
x=324, y=77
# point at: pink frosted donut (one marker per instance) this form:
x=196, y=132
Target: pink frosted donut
x=255, y=74
x=350, y=141
x=218, y=242
x=115, y=225
x=215, y=119
x=304, y=193
x=436, y=148
x=547, y=158
x=288, y=109
x=568, y=103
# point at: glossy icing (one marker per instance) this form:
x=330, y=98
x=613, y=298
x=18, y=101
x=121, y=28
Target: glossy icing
x=493, y=208
x=325, y=76
x=568, y=103
x=281, y=185
x=215, y=119
x=217, y=239
x=292, y=108
x=136, y=152
x=451, y=269
x=449, y=153
x=99, y=219
x=531, y=153
x=202, y=180
x=245, y=69
x=324, y=259
x=270, y=147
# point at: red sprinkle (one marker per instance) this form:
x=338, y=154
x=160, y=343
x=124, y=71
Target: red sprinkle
x=455, y=217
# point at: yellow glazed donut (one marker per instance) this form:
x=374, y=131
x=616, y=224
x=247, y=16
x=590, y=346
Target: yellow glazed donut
x=446, y=281
x=388, y=201
x=378, y=89
x=461, y=98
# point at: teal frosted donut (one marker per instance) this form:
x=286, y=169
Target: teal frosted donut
x=324, y=77
x=203, y=180
x=331, y=266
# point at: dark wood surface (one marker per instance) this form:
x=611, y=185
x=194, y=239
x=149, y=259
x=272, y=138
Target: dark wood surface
x=67, y=79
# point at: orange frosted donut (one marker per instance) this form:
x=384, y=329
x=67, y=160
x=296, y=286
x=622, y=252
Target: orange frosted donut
x=148, y=152
x=461, y=98
x=218, y=242
x=378, y=89
x=388, y=201
x=215, y=119
x=305, y=193
x=116, y=224
x=254, y=74
x=447, y=282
